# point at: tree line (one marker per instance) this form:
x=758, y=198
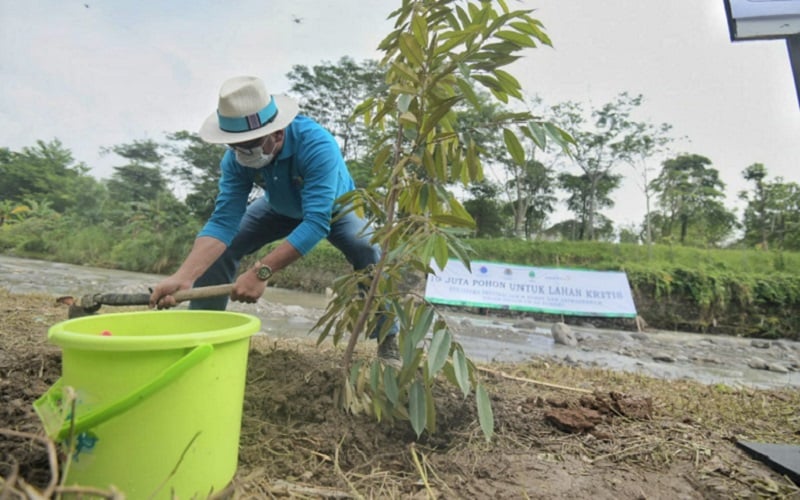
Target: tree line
x=167, y=189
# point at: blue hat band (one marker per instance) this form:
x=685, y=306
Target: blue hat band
x=249, y=122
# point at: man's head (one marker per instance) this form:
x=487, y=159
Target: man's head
x=247, y=114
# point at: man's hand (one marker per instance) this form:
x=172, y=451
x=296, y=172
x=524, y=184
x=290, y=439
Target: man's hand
x=248, y=288
x=161, y=296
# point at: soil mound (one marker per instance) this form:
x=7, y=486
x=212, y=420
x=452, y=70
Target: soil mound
x=601, y=434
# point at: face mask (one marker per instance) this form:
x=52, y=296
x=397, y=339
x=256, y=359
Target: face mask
x=254, y=157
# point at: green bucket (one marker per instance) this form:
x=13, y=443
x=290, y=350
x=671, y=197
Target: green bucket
x=157, y=398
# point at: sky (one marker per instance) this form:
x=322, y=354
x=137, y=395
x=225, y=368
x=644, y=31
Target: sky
x=96, y=73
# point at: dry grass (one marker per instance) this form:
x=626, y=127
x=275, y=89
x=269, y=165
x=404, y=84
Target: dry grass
x=657, y=439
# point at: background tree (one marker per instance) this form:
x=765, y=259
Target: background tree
x=772, y=210
x=485, y=210
x=643, y=142
x=48, y=174
x=197, y=171
x=600, y=146
x=587, y=193
x=690, y=193
x=329, y=93
x=141, y=180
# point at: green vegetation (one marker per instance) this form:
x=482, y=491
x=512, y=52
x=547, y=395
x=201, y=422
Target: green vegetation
x=697, y=274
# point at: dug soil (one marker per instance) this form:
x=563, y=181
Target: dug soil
x=599, y=435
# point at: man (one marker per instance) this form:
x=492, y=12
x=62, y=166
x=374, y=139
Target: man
x=300, y=167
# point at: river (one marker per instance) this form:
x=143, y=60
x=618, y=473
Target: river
x=287, y=313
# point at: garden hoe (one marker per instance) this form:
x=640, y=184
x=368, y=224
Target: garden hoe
x=90, y=304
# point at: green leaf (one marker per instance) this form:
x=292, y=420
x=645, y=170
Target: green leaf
x=468, y=92
x=516, y=38
x=461, y=371
x=411, y=49
x=404, y=102
x=485, y=415
x=419, y=27
x=488, y=82
x=408, y=117
x=514, y=146
x=417, y=407
x=429, y=163
x=440, y=252
x=509, y=83
x=440, y=158
x=454, y=220
x=431, y=407
x=374, y=376
x=390, y=385
x=406, y=70
x=440, y=348
x=382, y=156
x=422, y=324
x=538, y=134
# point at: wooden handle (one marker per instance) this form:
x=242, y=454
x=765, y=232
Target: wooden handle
x=203, y=292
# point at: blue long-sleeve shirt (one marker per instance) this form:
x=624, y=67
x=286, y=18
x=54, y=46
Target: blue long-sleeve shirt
x=303, y=182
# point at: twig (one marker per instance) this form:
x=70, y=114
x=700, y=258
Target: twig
x=52, y=456
x=422, y=474
x=281, y=487
x=177, y=465
x=8, y=483
x=619, y=453
x=71, y=397
x=535, y=382
x=339, y=469
x=86, y=490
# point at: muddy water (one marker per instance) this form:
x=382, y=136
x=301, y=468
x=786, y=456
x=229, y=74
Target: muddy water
x=287, y=313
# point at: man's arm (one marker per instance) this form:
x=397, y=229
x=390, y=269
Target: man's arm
x=205, y=251
x=248, y=287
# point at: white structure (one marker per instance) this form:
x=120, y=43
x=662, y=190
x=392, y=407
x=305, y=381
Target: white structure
x=766, y=20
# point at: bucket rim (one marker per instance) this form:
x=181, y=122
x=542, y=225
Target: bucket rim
x=63, y=334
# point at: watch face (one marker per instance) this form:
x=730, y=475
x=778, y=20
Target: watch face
x=264, y=273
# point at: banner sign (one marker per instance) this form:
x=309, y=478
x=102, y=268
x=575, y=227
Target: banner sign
x=540, y=289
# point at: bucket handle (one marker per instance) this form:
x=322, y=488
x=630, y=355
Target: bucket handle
x=175, y=370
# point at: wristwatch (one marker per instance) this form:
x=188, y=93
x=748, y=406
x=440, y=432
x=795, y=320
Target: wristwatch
x=263, y=271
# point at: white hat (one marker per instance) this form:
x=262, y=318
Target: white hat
x=247, y=111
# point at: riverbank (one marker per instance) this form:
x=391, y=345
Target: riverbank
x=562, y=431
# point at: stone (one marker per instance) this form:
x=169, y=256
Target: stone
x=761, y=343
x=757, y=364
x=525, y=324
x=663, y=357
x=777, y=368
x=563, y=334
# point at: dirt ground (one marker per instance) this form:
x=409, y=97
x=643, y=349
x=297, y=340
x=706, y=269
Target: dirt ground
x=606, y=435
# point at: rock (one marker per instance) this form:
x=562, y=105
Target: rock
x=466, y=323
x=780, y=345
x=724, y=342
x=293, y=310
x=573, y=419
x=663, y=357
x=562, y=334
x=299, y=320
x=778, y=368
x=709, y=360
x=641, y=337
x=525, y=324
x=760, y=343
x=586, y=324
x=757, y=364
